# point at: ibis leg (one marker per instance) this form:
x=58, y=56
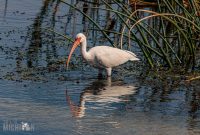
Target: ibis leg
x=109, y=71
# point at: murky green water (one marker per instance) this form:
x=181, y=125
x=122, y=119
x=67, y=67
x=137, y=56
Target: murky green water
x=35, y=87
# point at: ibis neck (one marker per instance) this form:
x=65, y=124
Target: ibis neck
x=84, y=50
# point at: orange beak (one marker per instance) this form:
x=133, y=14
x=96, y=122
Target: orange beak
x=75, y=45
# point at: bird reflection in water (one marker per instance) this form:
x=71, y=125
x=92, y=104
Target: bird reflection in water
x=103, y=92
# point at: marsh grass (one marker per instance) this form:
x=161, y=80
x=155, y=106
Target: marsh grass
x=168, y=34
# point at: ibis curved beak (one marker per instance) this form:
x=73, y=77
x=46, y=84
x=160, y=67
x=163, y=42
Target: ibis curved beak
x=75, y=45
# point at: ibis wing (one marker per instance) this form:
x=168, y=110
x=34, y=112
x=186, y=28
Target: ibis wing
x=110, y=57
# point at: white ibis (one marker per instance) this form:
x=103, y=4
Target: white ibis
x=101, y=57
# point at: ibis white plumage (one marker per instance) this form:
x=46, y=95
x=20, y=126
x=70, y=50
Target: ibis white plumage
x=101, y=57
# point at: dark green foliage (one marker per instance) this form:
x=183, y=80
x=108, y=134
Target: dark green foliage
x=168, y=34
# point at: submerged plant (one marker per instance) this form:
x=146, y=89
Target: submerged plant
x=167, y=31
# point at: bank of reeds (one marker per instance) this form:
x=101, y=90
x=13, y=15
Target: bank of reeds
x=167, y=31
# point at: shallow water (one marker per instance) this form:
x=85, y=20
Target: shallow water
x=35, y=87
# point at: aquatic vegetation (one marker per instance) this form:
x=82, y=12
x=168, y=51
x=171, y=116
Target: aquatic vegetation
x=167, y=32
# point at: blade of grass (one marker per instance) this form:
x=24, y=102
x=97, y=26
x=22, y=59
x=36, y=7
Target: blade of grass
x=90, y=20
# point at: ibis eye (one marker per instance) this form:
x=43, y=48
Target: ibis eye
x=78, y=38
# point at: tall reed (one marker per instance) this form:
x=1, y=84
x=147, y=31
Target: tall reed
x=167, y=31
